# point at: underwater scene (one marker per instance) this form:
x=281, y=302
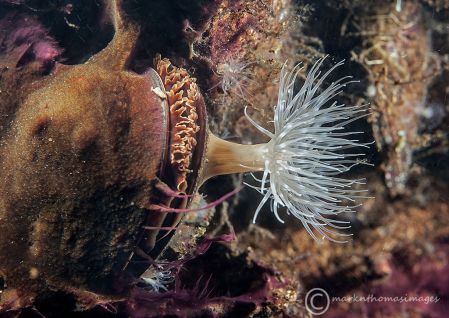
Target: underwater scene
x=224, y=158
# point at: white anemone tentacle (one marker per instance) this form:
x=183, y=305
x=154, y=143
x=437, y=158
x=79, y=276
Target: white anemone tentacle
x=304, y=157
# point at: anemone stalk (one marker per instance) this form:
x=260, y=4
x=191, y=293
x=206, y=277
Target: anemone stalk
x=224, y=157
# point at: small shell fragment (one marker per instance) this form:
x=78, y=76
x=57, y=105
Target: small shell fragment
x=158, y=91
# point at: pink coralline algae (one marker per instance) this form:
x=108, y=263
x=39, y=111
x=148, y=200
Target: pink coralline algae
x=422, y=289
x=206, y=293
x=25, y=40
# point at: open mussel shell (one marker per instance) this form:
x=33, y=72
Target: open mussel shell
x=176, y=89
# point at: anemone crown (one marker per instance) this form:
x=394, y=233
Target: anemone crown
x=307, y=152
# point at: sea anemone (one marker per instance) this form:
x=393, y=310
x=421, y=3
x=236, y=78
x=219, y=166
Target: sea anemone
x=157, y=279
x=307, y=152
x=235, y=77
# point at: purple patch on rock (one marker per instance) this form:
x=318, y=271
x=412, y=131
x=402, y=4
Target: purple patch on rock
x=204, y=297
x=23, y=40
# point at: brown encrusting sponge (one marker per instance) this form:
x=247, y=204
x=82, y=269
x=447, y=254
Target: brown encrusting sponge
x=78, y=164
x=182, y=94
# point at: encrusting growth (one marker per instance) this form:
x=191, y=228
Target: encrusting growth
x=307, y=153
